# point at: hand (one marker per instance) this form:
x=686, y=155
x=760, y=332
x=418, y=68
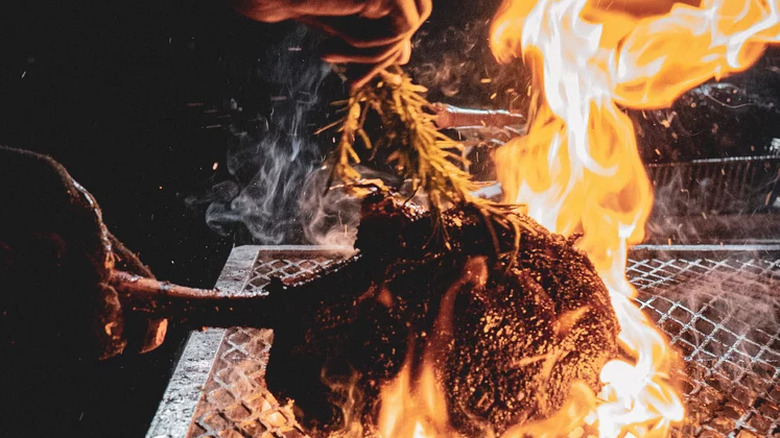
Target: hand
x=55, y=261
x=372, y=34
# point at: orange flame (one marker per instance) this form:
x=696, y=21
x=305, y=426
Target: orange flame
x=579, y=171
x=415, y=406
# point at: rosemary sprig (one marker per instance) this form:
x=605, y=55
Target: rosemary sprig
x=418, y=152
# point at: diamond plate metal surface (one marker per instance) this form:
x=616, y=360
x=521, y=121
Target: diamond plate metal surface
x=722, y=312
x=235, y=401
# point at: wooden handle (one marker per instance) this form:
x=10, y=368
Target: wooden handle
x=190, y=306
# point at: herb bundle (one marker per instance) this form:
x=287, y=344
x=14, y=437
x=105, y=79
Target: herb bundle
x=414, y=147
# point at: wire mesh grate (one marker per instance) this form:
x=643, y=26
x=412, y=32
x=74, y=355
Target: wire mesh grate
x=722, y=313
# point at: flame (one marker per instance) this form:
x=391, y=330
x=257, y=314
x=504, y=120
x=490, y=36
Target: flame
x=578, y=170
x=414, y=406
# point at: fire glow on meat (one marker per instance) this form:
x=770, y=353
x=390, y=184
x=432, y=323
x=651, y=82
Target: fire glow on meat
x=578, y=171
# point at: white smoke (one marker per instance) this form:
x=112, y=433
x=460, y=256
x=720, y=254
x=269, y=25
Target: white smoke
x=272, y=155
x=329, y=216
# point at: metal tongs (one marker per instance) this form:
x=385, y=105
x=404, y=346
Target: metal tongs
x=191, y=306
x=453, y=117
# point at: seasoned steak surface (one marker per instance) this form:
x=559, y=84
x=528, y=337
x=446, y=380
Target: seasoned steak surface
x=509, y=331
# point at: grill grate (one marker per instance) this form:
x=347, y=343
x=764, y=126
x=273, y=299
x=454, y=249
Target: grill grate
x=235, y=402
x=722, y=313
x=723, y=185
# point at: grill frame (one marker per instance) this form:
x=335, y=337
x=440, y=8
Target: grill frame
x=713, y=397
x=716, y=186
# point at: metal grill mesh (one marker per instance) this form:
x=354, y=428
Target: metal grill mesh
x=722, y=313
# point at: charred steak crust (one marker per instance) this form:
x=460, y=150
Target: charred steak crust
x=508, y=343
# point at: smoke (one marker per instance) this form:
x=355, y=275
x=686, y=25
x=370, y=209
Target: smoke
x=274, y=150
x=265, y=204
x=331, y=216
x=736, y=304
x=713, y=120
x=672, y=199
x=272, y=194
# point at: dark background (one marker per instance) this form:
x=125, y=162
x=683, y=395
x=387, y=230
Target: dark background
x=139, y=99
